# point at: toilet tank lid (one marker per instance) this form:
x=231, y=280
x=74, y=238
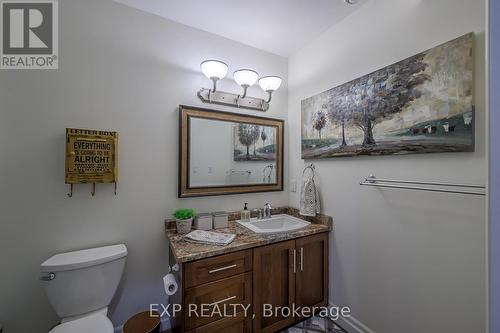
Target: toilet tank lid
x=84, y=258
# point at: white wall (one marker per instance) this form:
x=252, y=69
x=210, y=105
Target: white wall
x=124, y=70
x=405, y=261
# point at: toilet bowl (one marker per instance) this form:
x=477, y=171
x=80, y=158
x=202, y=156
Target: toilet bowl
x=81, y=284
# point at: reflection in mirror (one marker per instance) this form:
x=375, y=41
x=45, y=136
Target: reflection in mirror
x=228, y=153
x=223, y=153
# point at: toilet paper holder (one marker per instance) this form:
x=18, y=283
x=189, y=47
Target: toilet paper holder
x=173, y=268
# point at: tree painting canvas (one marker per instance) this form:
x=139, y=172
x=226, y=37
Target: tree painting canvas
x=422, y=104
x=254, y=142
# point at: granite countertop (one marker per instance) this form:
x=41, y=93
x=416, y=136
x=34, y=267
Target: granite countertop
x=185, y=251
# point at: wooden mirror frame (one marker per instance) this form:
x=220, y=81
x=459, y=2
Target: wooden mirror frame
x=185, y=115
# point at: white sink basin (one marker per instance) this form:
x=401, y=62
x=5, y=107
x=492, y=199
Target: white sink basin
x=275, y=224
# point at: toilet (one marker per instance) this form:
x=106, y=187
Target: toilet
x=80, y=285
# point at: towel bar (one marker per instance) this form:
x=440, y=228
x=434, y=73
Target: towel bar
x=388, y=183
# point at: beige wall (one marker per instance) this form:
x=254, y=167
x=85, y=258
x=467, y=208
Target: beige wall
x=404, y=261
x=119, y=69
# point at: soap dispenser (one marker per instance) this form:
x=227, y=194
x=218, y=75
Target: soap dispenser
x=245, y=214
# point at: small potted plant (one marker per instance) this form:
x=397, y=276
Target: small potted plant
x=184, y=220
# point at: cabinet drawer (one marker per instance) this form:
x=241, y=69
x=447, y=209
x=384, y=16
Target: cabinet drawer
x=220, y=295
x=236, y=324
x=211, y=269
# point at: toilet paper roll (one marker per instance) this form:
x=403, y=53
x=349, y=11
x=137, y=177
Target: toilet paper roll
x=170, y=284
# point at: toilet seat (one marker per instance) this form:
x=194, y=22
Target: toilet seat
x=96, y=323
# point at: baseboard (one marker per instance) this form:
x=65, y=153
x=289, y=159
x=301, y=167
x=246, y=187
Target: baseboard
x=352, y=325
x=165, y=325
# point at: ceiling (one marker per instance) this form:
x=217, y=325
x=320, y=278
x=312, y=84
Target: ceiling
x=277, y=26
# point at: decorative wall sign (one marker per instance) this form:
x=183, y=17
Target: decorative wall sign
x=422, y=104
x=91, y=156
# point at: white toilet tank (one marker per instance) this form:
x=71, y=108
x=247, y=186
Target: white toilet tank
x=83, y=281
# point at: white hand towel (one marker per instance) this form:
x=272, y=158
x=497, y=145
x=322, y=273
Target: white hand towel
x=309, y=198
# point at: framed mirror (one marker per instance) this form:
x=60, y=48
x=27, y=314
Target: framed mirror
x=227, y=153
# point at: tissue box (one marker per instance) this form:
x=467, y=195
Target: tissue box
x=220, y=220
x=203, y=221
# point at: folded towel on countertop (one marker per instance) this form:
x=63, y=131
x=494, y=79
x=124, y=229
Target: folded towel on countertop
x=209, y=237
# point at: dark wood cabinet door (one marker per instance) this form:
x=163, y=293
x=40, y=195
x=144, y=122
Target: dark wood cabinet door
x=311, y=286
x=274, y=284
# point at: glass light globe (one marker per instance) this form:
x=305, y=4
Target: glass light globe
x=245, y=77
x=270, y=83
x=214, y=69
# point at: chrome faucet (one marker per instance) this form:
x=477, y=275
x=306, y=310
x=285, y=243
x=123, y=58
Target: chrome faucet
x=267, y=209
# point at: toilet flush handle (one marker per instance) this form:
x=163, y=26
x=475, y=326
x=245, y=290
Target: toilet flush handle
x=51, y=276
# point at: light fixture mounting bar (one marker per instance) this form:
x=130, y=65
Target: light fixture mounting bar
x=234, y=100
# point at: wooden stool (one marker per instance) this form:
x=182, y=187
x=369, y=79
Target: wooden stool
x=143, y=322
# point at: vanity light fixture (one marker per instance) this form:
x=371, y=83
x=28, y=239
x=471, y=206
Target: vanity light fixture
x=245, y=78
x=270, y=84
x=216, y=70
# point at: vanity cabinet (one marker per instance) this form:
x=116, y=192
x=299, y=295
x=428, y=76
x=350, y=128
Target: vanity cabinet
x=282, y=274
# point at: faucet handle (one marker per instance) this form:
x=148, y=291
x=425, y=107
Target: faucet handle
x=258, y=213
